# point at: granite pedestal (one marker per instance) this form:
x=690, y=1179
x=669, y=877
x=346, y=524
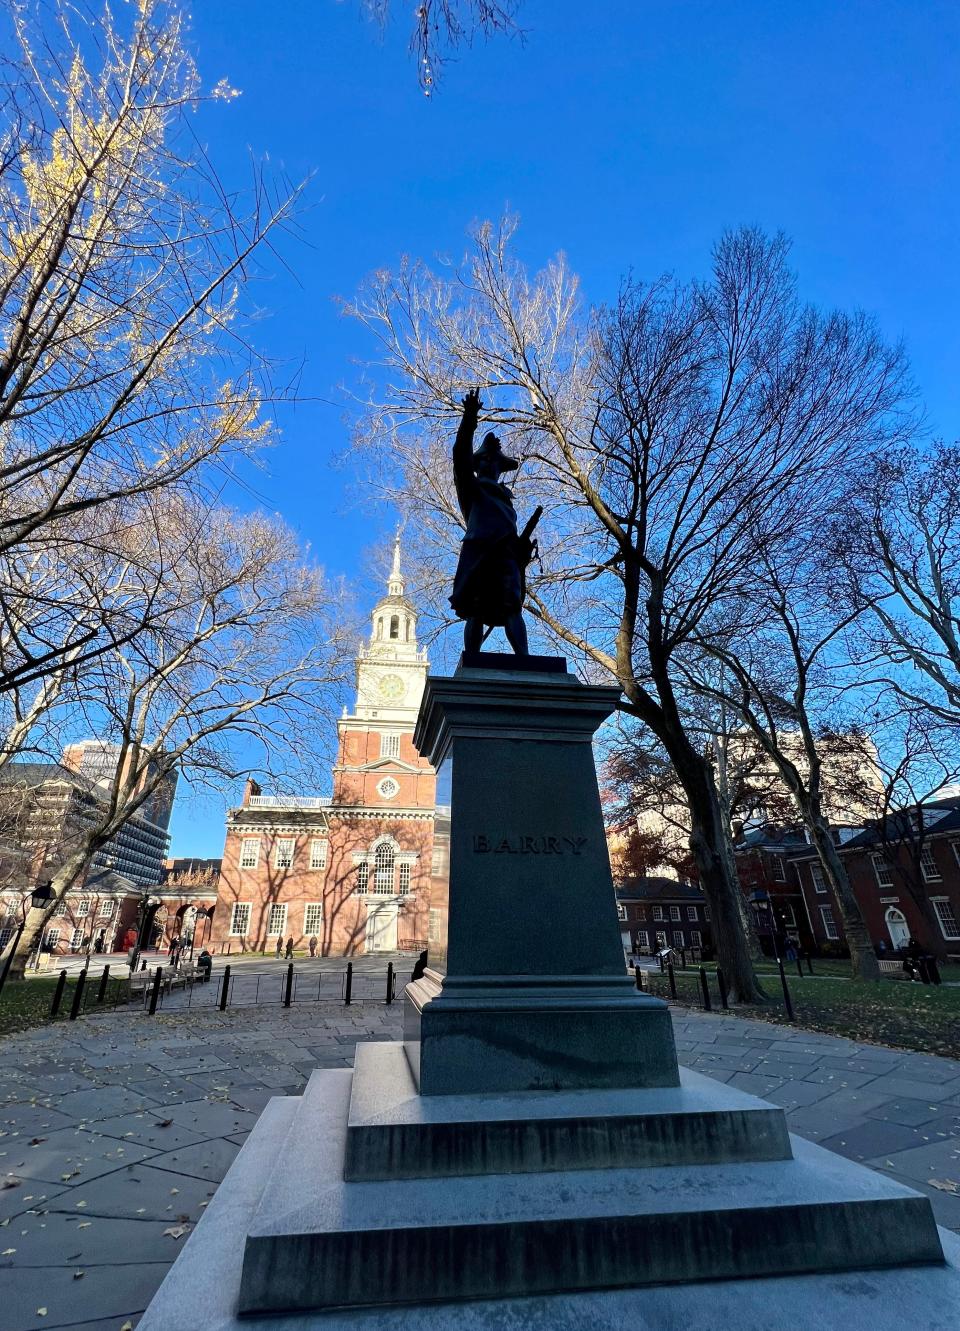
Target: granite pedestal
x=530, y=1154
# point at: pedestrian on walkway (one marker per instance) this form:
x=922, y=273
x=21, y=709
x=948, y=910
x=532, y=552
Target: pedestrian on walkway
x=290, y=948
x=313, y=945
x=279, y=948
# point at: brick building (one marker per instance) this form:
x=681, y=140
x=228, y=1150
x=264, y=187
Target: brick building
x=904, y=871
x=351, y=869
x=657, y=912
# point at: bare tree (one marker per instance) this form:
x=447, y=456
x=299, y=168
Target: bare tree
x=443, y=26
x=123, y=262
x=250, y=654
x=664, y=435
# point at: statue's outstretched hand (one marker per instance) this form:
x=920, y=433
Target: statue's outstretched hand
x=472, y=403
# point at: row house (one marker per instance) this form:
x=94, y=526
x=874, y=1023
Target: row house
x=904, y=872
x=658, y=912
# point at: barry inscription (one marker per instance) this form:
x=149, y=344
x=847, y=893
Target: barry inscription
x=529, y=845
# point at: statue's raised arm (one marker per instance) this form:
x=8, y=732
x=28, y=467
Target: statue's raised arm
x=489, y=587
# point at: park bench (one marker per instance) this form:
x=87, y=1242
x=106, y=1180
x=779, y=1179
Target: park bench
x=142, y=981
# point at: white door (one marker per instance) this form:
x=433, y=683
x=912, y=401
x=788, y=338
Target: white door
x=897, y=928
x=382, y=927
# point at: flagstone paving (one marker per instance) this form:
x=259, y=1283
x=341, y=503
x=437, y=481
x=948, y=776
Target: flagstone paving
x=117, y=1128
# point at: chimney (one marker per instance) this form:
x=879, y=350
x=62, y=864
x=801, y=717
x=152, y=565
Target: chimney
x=250, y=789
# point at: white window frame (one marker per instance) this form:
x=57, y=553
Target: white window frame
x=937, y=902
x=829, y=923
x=280, y=906
x=404, y=877
x=283, y=863
x=675, y=914
x=678, y=940
x=661, y=938
x=240, y=906
x=244, y=861
x=621, y=911
x=363, y=876
x=693, y=914
x=82, y=908
x=788, y=915
x=6, y=933
x=641, y=937
x=928, y=866
x=76, y=939
x=817, y=878
x=658, y=913
x=696, y=938
x=60, y=909
x=108, y=909
x=318, y=853
x=312, y=927
x=881, y=871
x=779, y=869
x=389, y=744
x=51, y=938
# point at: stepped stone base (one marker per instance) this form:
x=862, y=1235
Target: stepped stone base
x=394, y=1133
x=202, y=1287
x=317, y=1241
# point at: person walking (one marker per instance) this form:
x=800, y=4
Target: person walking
x=279, y=948
x=290, y=948
x=313, y=945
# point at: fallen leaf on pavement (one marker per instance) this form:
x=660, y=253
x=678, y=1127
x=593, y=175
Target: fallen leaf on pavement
x=177, y=1231
x=944, y=1184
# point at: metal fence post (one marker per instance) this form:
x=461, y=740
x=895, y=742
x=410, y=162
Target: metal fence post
x=58, y=994
x=799, y=966
x=389, y=982
x=809, y=964
x=288, y=988
x=224, y=988
x=155, y=991
x=348, y=989
x=102, y=991
x=722, y=986
x=78, y=995
x=705, y=990
x=786, y=991
x=638, y=977
x=672, y=978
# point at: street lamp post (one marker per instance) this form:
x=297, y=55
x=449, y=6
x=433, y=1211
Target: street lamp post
x=40, y=899
x=148, y=907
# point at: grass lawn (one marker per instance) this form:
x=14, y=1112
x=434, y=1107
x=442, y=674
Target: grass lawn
x=26, y=1003
x=838, y=968
x=893, y=1012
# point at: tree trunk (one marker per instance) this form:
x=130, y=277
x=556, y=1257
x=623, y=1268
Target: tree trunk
x=709, y=847
x=863, y=959
x=32, y=936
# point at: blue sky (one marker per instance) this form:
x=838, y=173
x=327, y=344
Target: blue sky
x=625, y=133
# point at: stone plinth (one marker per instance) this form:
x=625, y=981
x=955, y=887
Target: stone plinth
x=526, y=988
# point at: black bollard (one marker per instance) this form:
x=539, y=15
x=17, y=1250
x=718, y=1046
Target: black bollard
x=786, y=991
x=638, y=978
x=705, y=990
x=102, y=990
x=683, y=958
x=348, y=985
x=799, y=966
x=722, y=986
x=224, y=988
x=809, y=964
x=155, y=991
x=934, y=970
x=672, y=978
x=58, y=994
x=78, y=995
x=389, y=982
x=288, y=988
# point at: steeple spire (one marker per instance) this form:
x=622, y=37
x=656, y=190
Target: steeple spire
x=395, y=584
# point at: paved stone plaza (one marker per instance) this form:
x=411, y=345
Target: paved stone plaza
x=118, y=1128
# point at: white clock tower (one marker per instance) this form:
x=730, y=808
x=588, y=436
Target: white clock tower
x=391, y=670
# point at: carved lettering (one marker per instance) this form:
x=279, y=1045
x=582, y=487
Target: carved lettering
x=529, y=845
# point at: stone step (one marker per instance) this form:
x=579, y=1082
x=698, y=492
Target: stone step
x=394, y=1133
x=317, y=1241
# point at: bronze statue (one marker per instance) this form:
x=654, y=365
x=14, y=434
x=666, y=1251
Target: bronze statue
x=489, y=586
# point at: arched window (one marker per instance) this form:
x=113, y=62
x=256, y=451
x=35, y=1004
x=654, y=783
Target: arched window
x=384, y=861
x=407, y=635
x=380, y=626
x=394, y=626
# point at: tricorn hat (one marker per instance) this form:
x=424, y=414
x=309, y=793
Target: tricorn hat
x=491, y=446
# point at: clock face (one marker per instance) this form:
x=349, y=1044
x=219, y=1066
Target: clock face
x=392, y=687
